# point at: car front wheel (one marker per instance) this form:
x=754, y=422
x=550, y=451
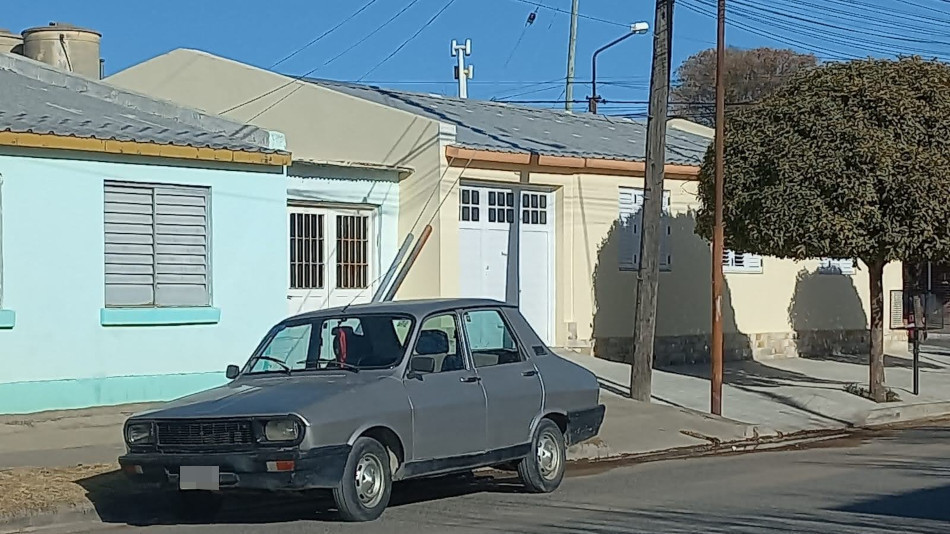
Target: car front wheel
x=367, y=483
x=543, y=469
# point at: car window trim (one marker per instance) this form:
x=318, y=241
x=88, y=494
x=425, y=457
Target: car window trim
x=469, y=365
x=507, y=323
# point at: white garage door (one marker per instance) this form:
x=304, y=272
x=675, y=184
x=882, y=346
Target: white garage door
x=331, y=257
x=485, y=217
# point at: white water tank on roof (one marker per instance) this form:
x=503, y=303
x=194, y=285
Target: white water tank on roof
x=64, y=46
x=10, y=42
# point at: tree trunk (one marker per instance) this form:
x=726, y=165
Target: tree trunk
x=876, y=382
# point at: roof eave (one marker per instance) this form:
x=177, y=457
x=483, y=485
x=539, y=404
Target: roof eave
x=460, y=156
x=138, y=148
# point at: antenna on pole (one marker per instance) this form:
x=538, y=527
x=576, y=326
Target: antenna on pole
x=462, y=73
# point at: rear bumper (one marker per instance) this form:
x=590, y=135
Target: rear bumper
x=317, y=468
x=584, y=424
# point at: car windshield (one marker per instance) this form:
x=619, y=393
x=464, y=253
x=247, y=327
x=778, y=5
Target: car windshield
x=352, y=342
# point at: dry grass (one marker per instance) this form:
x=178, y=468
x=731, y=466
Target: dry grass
x=34, y=490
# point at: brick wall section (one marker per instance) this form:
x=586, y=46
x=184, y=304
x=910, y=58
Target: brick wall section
x=692, y=349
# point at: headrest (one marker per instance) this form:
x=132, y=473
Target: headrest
x=432, y=342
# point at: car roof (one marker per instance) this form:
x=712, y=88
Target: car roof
x=418, y=308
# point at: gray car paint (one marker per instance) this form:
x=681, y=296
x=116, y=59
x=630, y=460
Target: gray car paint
x=339, y=406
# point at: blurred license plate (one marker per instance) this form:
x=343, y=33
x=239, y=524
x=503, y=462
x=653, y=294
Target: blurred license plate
x=204, y=478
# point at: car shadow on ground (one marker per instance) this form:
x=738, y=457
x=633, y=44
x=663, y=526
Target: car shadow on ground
x=118, y=501
x=927, y=504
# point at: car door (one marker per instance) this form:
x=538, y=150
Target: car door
x=448, y=402
x=511, y=382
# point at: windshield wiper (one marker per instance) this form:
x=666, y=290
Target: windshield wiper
x=283, y=365
x=343, y=365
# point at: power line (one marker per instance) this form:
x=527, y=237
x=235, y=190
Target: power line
x=829, y=54
x=411, y=37
x=315, y=69
x=581, y=15
x=326, y=33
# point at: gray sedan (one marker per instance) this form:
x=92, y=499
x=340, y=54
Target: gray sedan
x=352, y=399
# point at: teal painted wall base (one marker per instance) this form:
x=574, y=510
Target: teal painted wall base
x=30, y=397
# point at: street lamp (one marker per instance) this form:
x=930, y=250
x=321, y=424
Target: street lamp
x=638, y=28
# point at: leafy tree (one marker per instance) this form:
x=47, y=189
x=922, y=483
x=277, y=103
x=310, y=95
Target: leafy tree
x=849, y=160
x=750, y=75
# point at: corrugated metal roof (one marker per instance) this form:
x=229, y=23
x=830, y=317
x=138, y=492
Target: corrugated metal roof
x=41, y=100
x=504, y=127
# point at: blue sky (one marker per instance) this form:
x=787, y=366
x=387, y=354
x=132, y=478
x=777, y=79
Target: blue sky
x=262, y=33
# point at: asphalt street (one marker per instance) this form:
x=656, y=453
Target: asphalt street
x=892, y=482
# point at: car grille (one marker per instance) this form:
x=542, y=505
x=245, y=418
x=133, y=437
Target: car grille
x=205, y=434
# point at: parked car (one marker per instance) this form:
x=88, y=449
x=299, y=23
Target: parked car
x=352, y=399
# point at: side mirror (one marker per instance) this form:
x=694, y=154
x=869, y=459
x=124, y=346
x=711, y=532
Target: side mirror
x=232, y=372
x=420, y=365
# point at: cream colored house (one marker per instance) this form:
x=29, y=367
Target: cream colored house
x=463, y=165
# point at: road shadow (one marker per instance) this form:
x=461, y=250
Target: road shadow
x=928, y=504
x=684, y=298
x=116, y=500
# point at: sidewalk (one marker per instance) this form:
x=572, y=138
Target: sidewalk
x=798, y=394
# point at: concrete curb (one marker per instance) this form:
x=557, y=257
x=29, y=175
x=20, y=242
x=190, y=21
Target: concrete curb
x=904, y=413
x=70, y=514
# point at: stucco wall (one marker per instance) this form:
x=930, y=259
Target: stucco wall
x=320, y=124
x=59, y=355
x=596, y=300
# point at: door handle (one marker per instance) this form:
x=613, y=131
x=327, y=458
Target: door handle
x=529, y=373
x=469, y=379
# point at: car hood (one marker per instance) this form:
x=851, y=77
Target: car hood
x=253, y=396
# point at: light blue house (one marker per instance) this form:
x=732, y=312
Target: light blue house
x=143, y=245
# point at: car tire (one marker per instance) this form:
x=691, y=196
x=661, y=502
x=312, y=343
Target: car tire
x=198, y=505
x=367, y=482
x=543, y=469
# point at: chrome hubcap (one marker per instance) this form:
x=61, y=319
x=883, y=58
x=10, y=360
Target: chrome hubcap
x=549, y=456
x=369, y=480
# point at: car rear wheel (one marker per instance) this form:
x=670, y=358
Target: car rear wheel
x=367, y=482
x=543, y=469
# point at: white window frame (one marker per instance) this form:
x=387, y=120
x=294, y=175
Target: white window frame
x=741, y=263
x=837, y=266
x=128, y=247
x=630, y=206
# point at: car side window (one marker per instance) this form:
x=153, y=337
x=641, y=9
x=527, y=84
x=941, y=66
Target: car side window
x=490, y=339
x=438, y=348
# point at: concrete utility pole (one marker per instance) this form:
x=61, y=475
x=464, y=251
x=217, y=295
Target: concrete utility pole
x=462, y=73
x=716, y=347
x=572, y=44
x=641, y=372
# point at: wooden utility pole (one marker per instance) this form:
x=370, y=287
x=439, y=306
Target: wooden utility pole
x=571, y=47
x=641, y=372
x=715, y=349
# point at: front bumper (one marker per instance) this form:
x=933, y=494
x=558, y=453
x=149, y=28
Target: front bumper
x=317, y=468
x=584, y=424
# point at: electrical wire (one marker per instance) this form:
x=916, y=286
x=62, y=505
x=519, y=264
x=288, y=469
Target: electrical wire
x=315, y=69
x=324, y=34
x=407, y=41
x=568, y=12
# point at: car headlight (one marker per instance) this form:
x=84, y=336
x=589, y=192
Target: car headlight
x=282, y=430
x=138, y=433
